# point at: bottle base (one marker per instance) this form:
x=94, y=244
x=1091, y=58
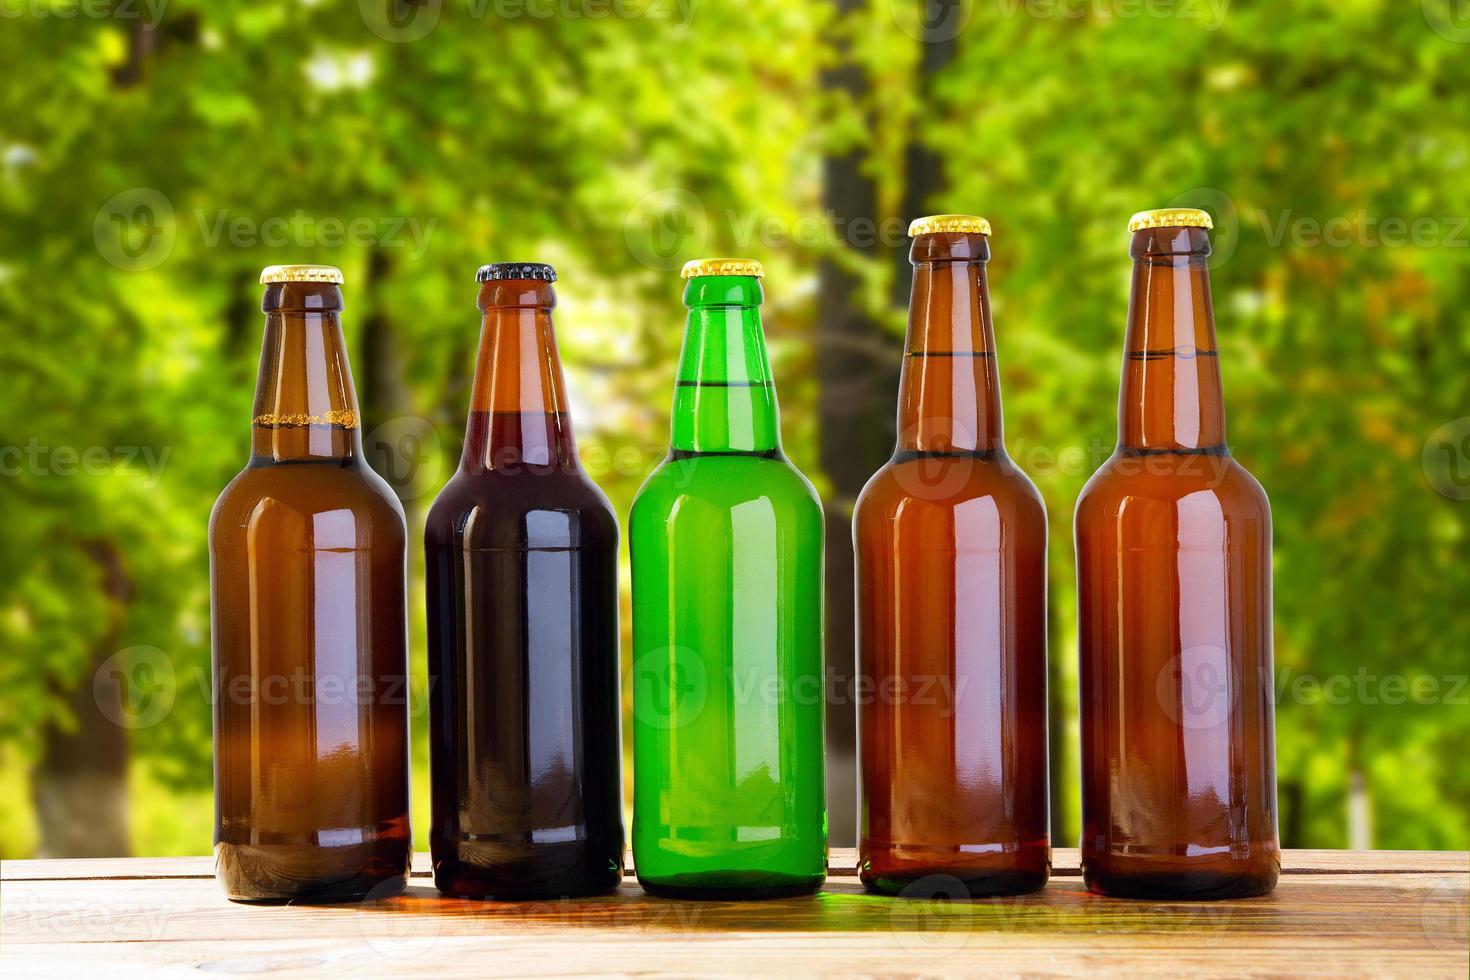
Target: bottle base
x=942, y=882
x=1179, y=879
x=475, y=889
x=499, y=873
x=949, y=872
x=309, y=874
x=733, y=886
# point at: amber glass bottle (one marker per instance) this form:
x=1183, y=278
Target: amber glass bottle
x=1174, y=592
x=951, y=586
x=310, y=649
x=522, y=552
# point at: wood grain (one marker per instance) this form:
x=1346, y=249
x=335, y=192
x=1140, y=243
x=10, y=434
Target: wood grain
x=1335, y=913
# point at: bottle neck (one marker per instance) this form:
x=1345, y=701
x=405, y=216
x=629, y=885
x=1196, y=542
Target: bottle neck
x=518, y=406
x=1171, y=399
x=949, y=394
x=724, y=395
x=305, y=407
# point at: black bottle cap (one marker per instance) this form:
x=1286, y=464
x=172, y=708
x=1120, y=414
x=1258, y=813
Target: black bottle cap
x=516, y=270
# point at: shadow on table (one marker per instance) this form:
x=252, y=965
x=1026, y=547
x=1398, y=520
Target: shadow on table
x=1063, y=907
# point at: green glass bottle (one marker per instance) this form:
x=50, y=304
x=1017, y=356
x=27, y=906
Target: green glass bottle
x=726, y=536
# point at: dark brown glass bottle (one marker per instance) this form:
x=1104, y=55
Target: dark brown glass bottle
x=951, y=582
x=1174, y=594
x=522, y=547
x=310, y=645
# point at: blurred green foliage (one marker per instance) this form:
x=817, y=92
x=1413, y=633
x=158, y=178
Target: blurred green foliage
x=149, y=169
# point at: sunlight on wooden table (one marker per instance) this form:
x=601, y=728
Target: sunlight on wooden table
x=1335, y=912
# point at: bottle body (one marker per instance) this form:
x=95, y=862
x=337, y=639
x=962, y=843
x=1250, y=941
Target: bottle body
x=307, y=559
x=727, y=635
x=1174, y=591
x=951, y=595
x=727, y=675
x=950, y=543
x=1173, y=544
x=521, y=546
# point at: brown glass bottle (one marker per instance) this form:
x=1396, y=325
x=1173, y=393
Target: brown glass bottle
x=951, y=593
x=1174, y=594
x=310, y=648
x=525, y=751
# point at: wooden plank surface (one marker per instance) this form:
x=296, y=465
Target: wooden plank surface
x=1335, y=913
x=841, y=861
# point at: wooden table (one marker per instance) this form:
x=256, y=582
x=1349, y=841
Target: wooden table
x=1335, y=912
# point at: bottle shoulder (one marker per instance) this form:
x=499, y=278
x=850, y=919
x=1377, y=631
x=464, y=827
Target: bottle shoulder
x=326, y=494
x=555, y=509
x=932, y=484
x=518, y=491
x=1219, y=482
x=725, y=481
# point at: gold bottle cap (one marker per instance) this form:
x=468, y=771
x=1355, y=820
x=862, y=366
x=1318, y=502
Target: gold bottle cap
x=301, y=273
x=934, y=224
x=1170, y=218
x=722, y=267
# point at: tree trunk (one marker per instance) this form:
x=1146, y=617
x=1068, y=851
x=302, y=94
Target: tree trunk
x=80, y=785
x=855, y=366
x=1290, y=814
x=1059, y=765
x=392, y=438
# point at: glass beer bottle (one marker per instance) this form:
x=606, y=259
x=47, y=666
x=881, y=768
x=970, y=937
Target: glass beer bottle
x=522, y=549
x=727, y=624
x=309, y=634
x=1174, y=596
x=950, y=540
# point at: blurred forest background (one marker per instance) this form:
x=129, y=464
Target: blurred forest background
x=155, y=154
